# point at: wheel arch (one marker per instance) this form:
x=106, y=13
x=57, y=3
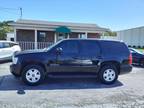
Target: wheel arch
x=33, y=63
x=115, y=63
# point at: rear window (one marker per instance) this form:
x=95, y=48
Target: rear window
x=114, y=48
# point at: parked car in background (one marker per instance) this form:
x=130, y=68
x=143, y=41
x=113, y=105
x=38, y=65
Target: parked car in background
x=7, y=49
x=74, y=57
x=138, y=57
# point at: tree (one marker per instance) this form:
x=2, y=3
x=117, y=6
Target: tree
x=4, y=29
x=110, y=33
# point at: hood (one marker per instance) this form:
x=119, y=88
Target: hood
x=29, y=52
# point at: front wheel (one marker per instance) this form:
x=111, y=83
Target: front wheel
x=33, y=75
x=108, y=74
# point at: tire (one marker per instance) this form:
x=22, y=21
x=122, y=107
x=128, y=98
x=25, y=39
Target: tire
x=33, y=75
x=108, y=74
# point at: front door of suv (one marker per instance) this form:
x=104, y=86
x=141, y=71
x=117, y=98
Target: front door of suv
x=67, y=60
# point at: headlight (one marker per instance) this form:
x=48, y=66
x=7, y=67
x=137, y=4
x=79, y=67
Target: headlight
x=14, y=60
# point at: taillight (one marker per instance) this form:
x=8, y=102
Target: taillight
x=130, y=59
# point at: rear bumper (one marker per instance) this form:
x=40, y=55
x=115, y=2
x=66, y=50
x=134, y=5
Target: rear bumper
x=125, y=69
x=15, y=69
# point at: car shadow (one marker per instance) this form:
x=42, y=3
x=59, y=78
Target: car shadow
x=138, y=66
x=8, y=82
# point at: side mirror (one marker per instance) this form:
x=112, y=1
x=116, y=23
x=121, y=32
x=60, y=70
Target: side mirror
x=59, y=51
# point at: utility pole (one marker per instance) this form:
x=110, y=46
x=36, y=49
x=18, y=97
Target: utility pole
x=21, y=13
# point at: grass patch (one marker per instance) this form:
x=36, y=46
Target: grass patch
x=141, y=50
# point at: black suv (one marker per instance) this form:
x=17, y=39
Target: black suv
x=73, y=57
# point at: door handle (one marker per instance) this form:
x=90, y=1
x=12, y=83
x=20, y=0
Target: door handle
x=75, y=57
x=99, y=57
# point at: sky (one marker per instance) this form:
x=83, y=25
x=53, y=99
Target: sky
x=112, y=14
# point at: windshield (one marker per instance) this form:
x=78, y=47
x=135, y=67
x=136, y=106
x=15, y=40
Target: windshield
x=136, y=51
x=50, y=47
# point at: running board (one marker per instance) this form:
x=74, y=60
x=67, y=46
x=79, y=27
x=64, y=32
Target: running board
x=72, y=75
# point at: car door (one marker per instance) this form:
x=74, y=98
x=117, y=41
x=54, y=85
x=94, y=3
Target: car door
x=89, y=55
x=1, y=50
x=67, y=60
x=7, y=50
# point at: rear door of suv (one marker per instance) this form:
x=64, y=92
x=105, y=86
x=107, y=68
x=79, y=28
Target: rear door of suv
x=89, y=55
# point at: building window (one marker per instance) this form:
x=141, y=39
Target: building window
x=41, y=36
x=11, y=39
x=82, y=36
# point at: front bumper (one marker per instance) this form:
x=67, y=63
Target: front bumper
x=15, y=69
x=125, y=69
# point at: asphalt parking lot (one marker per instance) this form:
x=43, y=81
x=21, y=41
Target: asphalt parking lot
x=127, y=92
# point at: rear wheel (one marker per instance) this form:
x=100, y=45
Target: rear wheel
x=108, y=74
x=33, y=75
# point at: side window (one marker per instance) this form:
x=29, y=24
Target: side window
x=13, y=44
x=6, y=45
x=69, y=47
x=1, y=45
x=89, y=49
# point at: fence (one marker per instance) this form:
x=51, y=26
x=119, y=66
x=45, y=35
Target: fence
x=31, y=45
x=109, y=37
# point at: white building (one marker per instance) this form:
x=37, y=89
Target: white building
x=10, y=36
x=132, y=37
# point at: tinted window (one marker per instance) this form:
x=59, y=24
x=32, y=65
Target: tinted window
x=112, y=48
x=69, y=46
x=89, y=48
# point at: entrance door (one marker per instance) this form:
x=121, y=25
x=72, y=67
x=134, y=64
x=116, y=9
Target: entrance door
x=61, y=36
